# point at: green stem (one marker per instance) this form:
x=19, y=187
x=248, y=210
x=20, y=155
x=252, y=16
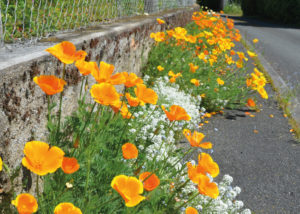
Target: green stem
x=49, y=110
x=37, y=187
x=60, y=101
x=184, y=203
x=87, y=175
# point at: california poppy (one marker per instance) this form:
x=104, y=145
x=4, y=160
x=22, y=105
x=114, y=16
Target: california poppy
x=42, y=159
x=105, y=94
x=131, y=79
x=104, y=74
x=151, y=182
x=69, y=165
x=160, y=68
x=251, y=103
x=85, y=68
x=191, y=210
x=195, y=82
x=25, y=203
x=176, y=113
x=146, y=95
x=196, y=138
x=66, y=208
x=255, y=40
x=133, y=101
x=129, y=188
x=50, y=84
x=205, y=165
x=122, y=108
x=158, y=37
x=160, y=21
x=206, y=187
x=220, y=81
x=251, y=54
x=129, y=151
x=193, y=67
x=66, y=52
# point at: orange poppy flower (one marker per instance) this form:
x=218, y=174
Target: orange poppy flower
x=129, y=151
x=66, y=208
x=196, y=138
x=193, y=67
x=220, y=81
x=205, y=187
x=251, y=103
x=158, y=37
x=176, y=113
x=191, y=210
x=160, y=68
x=146, y=95
x=104, y=74
x=131, y=79
x=255, y=40
x=69, y=165
x=122, y=108
x=151, y=183
x=205, y=165
x=25, y=203
x=133, y=101
x=263, y=93
x=105, y=94
x=195, y=82
x=66, y=52
x=85, y=68
x=129, y=188
x=50, y=84
x=160, y=21
x=42, y=159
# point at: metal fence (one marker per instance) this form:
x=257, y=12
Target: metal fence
x=30, y=20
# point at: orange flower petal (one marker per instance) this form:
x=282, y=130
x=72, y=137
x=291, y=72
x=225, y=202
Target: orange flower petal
x=129, y=151
x=69, y=165
x=41, y=159
x=177, y=113
x=151, y=182
x=191, y=210
x=129, y=188
x=132, y=101
x=66, y=52
x=50, y=84
x=85, y=68
x=105, y=94
x=25, y=203
x=206, y=187
x=66, y=208
x=147, y=95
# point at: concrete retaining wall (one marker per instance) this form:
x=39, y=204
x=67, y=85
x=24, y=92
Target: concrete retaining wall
x=23, y=105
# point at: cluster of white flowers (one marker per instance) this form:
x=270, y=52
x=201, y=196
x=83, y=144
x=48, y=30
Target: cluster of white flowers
x=156, y=129
x=225, y=203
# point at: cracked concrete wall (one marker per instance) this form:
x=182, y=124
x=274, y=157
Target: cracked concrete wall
x=23, y=106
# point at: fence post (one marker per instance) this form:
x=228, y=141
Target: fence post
x=151, y=6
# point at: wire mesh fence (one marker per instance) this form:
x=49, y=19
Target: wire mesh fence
x=30, y=20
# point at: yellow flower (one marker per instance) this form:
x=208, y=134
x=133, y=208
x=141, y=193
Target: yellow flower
x=1, y=163
x=42, y=159
x=105, y=94
x=129, y=188
x=193, y=67
x=206, y=187
x=255, y=40
x=251, y=54
x=195, y=82
x=160, y=68
x=160, y=21
x=220, y=81
x=158, y=37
